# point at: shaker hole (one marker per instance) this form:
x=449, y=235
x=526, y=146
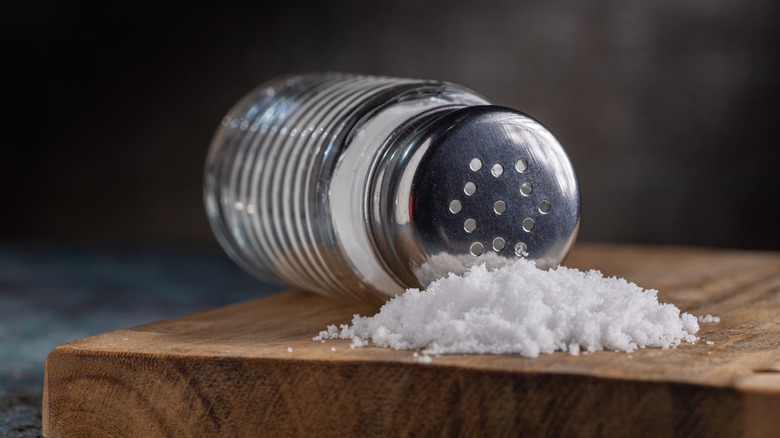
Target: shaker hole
x=470, y=188
x=475, y=164
x=544, y=206
x=470, y=225
x=526, y=188
x=455, y=206
x=521, y=165
x=476, y=249
x=499, y=207
x=499, y=243
x=497, y=170
x=528, y=224
x=521, y=249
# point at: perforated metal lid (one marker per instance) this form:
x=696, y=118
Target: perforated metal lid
x=480, y=184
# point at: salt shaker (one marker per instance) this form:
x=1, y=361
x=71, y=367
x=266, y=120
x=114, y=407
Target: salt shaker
x=362, y=186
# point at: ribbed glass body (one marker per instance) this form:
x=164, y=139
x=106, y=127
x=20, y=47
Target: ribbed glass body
x=288, y=173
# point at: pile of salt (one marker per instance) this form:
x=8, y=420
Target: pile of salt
x=524, y=310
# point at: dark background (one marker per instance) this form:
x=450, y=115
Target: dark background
x=668, y=109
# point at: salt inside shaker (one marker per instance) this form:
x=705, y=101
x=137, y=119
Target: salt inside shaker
x=363, y=186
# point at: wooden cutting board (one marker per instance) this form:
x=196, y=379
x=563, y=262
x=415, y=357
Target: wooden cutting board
x=228, y=372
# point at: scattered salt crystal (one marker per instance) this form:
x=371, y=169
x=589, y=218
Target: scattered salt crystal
x=332, y=348
x=520, y=309
x=709, y=318
x=424, y=359
x=289, y=349
x=710, y=342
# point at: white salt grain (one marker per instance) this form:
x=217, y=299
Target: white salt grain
x=522, y=310
x=289, y=349
x=709, y=318
x=710, y=342
x=332, y=348
x=424, y=359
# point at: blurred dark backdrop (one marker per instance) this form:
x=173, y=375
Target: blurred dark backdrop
x=669, y=109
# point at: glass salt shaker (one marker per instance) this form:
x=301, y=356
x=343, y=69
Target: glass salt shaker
x=362, y=186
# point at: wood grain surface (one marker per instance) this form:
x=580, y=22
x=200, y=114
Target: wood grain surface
x=228, y=372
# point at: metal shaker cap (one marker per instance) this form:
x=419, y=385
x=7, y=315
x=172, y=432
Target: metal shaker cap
x=479, y=184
